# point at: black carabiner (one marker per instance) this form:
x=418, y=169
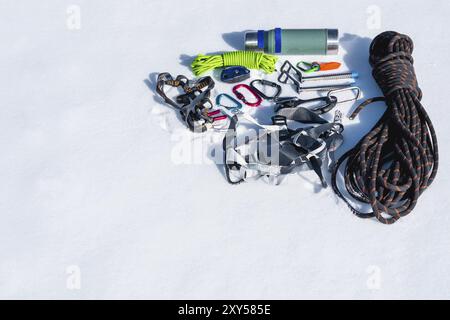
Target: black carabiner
x=268, y=83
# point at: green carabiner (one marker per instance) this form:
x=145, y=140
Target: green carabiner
x=310, y=67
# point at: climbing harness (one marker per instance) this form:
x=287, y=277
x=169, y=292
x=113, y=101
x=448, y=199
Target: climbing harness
x=248, y=59
x=241, y=97
x=277, y=150
x=234, y=74
x=268, y=83
x=194, y=104
x=307, y=67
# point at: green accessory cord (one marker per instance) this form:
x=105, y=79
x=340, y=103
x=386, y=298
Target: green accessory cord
x=248, y=59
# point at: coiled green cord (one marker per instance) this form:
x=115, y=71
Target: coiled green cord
x=248, y=59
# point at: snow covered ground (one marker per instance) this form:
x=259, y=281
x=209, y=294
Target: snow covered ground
x=96, y=201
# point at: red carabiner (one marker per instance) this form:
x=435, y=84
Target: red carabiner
x=241, y=97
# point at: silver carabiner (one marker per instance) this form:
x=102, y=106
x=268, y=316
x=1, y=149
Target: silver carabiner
x=353, y=89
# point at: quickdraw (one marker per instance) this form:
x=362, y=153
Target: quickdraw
x=194, y=104
x=241, y=97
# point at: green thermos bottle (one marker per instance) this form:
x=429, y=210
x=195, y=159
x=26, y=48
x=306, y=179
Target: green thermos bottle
x=293, y=41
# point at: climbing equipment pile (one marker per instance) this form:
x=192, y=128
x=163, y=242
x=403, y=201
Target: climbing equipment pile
x=388, y=169
x=234, y=74
x=295, y=149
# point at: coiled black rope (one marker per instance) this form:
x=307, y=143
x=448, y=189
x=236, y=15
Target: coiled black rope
x=398, y=159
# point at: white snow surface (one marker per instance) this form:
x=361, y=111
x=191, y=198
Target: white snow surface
x=96, y=202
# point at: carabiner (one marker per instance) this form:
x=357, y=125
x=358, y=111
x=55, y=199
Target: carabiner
x=234, y=109
x=263, y=82
x=241, y=97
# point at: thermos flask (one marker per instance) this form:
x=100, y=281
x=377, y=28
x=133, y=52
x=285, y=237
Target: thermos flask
x=293, y=41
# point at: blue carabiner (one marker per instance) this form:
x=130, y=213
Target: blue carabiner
x=237, y=105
